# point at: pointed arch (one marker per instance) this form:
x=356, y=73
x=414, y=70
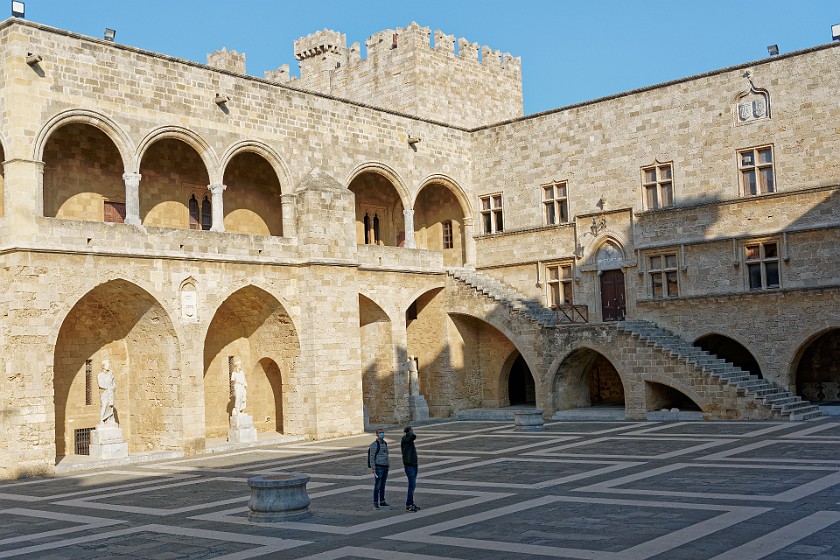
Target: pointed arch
x=196, y=142
x=103, y=123
x=284, y=175
x=452, y=185
x=388, y=173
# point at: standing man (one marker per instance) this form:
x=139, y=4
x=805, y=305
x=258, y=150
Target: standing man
x=409, y=457
x=378, y=463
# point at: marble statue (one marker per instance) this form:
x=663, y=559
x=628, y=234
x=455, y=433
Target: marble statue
x=109, y=388
x=240, y=387
x=413, y=381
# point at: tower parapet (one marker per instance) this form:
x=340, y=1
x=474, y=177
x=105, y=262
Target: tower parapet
x=405, y=72
x=224, y=59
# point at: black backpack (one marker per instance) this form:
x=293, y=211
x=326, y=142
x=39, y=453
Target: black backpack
x=374, y=455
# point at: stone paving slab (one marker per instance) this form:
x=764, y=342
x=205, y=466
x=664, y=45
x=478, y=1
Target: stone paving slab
x=600, y=491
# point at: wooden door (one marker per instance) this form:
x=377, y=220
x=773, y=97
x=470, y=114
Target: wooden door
x=612, y=295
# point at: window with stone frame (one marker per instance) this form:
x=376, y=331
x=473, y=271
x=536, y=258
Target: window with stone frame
x=558, y=284
x=555, y=203
x=113, y=211
x=756, y=169
x=491, y=213
x=200, y=210
x=762, y=263
x=658, y=186
x=663, y=274
x=448, y=242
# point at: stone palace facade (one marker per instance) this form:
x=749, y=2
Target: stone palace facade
x=676, y=246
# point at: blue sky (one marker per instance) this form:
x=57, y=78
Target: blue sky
x=571, y=51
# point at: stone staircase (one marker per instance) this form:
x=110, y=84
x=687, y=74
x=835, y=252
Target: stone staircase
x=779, y=400
x=506, y=295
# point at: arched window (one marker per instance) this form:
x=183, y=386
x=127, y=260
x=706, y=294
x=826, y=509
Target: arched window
x=376, y=237
x=367, y=229
x=195, y=219
x=206, y=214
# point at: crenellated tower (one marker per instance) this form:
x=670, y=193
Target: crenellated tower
x=405, y=71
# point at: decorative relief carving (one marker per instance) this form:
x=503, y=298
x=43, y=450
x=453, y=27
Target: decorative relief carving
x=752, y=104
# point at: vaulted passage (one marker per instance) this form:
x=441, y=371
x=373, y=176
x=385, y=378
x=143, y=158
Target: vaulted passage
x=253, y=326
x=438, y=223
x=83, y=175
x=252, y=198
x=730, y=350
x=119, y=322
x=379, y=211
x=586, y=378
x=173, y=191
x=818, y=369
x=659, y=397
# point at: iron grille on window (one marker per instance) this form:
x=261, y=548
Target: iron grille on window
x=82, y=441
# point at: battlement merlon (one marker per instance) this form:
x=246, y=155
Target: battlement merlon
x=320, y=42
x=224, y=59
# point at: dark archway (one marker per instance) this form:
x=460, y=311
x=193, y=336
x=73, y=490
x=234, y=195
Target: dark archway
x=587, y=378
x=818, y=369
x=730, y=350
x=521, y=387
x=659, y=396
x=379, y=211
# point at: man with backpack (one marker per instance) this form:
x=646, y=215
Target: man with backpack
x=378, y=464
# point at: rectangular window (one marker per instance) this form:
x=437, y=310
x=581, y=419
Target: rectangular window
x=491, y=213
x=114, y=212
x=555, y=203
x=664, y=280
x=558, y=284
x=762, y=260
x=756, y=167
x=447, y=235
x=81, y=441
x=658, y=186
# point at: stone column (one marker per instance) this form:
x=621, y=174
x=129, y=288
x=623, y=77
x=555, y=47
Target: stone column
x=132, y=198
x=409, y=229
x=287, y=207
x=218, y=207
x=469, y=243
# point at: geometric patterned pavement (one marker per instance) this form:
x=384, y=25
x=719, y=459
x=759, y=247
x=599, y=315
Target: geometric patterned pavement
x=586, y=490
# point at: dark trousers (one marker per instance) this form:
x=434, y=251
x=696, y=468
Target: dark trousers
x=411, y=475
x=379, y=484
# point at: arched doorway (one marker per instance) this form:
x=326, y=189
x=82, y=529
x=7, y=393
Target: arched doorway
x=173, y=192
x=377, y=353
x=586, y=378
x=83, y=175
x=609, y=259
x=438, y=223
x=122, y=323
x=379, y=211
x=730, y=350
x=253, y=326
x=252, y=198
x=521, y=387
x=817, y=370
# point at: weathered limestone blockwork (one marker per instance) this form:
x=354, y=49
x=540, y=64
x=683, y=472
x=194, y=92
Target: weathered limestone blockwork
x=323, y=322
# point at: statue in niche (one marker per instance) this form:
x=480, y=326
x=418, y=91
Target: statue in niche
x=413, y=381
x=108, y=384
x=239, y=385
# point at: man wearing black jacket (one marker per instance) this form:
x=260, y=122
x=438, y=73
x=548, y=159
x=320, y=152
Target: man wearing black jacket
x=409, y=457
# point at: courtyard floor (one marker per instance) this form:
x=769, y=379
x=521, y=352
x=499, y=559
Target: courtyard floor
x=587, y=490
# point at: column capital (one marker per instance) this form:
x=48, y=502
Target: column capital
x=409, y=212
x=217, y=188
x=287, y=197
x=469, y=221
x=134, y=178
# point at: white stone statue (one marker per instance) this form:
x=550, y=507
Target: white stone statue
x=109, y=388
x=413, y=381
x=239, y=385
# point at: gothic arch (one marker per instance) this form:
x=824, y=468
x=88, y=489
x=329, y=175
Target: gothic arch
x=108, y=127
x=213, y=306
x=277, y=163
x=202, y=148
x=452, y=185
x=728, y=347
x=608, y=241
x=385, y=171
x=581, y=352
x=688, y=392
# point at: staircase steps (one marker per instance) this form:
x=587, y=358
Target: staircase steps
x=778, y=399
